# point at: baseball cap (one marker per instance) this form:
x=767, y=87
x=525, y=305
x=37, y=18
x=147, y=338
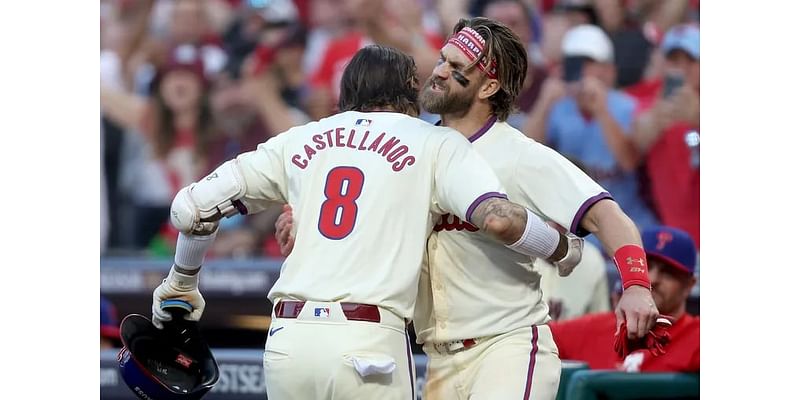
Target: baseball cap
x=185, y=57
x=109, y=322
x=587, y=41
x=684, y=37
x=672, y=246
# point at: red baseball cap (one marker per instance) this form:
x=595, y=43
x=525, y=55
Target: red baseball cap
x=184, y=57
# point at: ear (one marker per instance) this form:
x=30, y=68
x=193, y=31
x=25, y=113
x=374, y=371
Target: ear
x=488, y=88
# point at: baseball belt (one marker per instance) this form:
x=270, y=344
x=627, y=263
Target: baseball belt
x=352, y=311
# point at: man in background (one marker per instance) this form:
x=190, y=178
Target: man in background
x=667, y=132
x=671, y=257
x=582, y=117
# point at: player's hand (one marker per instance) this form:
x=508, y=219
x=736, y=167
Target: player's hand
x=638, y=310
x=283, y=231
x=178, y=286
x=664, y=113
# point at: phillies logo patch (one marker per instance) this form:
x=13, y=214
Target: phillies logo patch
x=663, y=239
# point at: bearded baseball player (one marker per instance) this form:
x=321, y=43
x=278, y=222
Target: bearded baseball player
x=368, y=182
x=480, y=315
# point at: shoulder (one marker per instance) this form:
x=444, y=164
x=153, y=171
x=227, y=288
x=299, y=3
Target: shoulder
x=301, y=132
x=435, y=131
x=534, y=153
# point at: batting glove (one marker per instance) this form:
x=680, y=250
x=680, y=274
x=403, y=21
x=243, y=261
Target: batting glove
x=178, y=286
x=573, y=257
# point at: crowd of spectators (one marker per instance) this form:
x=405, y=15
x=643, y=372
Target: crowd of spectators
x=186, y=84
x=613, y=85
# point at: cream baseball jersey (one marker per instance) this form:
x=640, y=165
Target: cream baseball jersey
x=473, y=286
x=365, y=188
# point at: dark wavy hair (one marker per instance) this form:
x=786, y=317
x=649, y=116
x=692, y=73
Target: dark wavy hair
x=507, y=50
x=380, y=77
x=165, y=133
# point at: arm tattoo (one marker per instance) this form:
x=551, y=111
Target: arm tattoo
x=504, y=213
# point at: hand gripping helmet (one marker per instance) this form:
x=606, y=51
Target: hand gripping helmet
x=173, y=363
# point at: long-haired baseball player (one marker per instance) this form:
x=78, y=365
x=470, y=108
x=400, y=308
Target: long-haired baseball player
x=367, y=183
x=480, y=314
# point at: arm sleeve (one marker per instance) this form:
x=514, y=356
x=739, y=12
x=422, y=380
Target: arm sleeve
x=462, y=178
x=555, y=187
x=264, y=172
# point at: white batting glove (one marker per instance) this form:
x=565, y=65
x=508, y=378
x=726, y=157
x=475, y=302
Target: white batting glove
x=573, y=257
x=178, y=286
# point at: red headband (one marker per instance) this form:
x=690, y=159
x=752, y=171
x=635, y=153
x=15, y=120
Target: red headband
x=470, y=42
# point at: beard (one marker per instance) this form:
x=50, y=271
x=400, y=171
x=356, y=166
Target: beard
x=445, y=102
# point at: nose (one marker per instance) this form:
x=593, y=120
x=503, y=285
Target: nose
x=441, y=70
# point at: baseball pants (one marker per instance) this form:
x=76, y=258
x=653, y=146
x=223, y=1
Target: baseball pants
x=521, y=364
x=316, y=350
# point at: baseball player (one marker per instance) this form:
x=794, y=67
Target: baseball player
x=368, y=181
x=480, y=314
x=484, y=328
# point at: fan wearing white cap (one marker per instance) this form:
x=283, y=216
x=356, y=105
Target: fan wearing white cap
x=582, y=117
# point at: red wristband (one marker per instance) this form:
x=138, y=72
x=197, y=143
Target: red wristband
x=632, y=266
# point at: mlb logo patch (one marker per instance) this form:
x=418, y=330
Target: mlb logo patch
x=363, y=122
x=322, y=312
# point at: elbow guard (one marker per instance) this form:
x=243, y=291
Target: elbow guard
x=198, y=207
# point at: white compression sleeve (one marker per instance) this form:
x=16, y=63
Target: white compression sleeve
x=191, y=250
x=539, y=239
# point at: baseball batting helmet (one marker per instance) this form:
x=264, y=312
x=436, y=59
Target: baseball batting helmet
x=173, y=363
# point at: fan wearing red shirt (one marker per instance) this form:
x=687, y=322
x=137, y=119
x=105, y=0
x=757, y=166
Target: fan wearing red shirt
x=671, y=257
x=668, y=132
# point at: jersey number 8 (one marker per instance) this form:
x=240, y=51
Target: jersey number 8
x=337, y=216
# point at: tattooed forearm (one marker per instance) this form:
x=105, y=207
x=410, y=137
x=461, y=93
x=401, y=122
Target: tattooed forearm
x=501, y=219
